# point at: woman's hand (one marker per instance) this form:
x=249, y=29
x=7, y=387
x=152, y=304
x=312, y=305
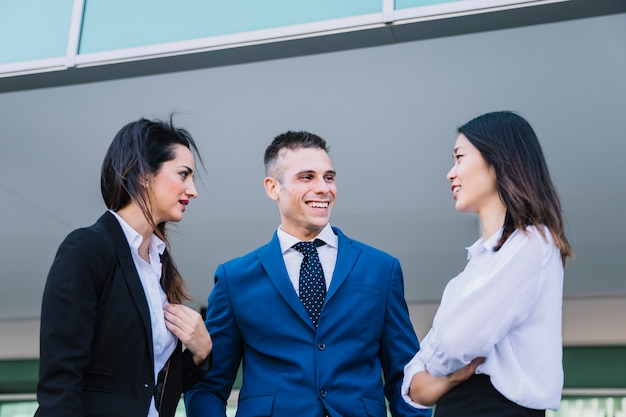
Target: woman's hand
x=463, y=374
x=426, y=389
x=189, y=327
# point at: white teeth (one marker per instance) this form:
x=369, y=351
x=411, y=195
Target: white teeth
x=318, y=205
x=457, y=188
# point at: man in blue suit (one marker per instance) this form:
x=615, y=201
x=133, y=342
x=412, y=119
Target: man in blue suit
x=341, y=361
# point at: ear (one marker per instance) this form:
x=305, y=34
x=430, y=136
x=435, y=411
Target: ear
x=272, y=187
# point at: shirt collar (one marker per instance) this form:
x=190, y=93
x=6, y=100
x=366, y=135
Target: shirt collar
x=134, y=238
x=287, y=241
x=481, y=246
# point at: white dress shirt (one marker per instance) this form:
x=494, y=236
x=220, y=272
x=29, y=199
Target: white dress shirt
x=327, y=254
x=505, y=306
x=163, y=341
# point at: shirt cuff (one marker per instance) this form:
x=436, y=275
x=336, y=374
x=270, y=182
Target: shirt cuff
x=410, y=370
x=432, y=360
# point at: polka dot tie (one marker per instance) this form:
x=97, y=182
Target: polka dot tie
x=312, y=283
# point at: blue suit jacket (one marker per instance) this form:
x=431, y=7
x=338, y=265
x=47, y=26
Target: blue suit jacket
x=354, y=359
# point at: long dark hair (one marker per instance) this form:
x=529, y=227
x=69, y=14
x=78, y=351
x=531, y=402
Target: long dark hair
x=137, y=151
x=509, y=144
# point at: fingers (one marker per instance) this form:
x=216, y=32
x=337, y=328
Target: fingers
x=182, y=312
x=183, y=321
x=465, y=372
x=475, y=363
x=189, y=327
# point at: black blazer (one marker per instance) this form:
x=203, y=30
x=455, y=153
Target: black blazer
x=96, y=355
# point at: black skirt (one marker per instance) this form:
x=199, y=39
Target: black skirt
x=477, y=397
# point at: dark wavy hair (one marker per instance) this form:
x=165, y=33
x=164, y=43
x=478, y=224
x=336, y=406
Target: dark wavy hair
x=138, y=151
x=509, y=144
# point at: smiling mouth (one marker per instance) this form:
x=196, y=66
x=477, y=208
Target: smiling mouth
x=456, y=189
x=183, y=202
x=318, y=204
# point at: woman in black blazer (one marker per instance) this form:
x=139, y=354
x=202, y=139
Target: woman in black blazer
x=112, y=323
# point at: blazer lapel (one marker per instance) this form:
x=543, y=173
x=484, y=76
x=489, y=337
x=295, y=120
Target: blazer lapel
x=129, y=272
x=347, y=254
x=272, y=260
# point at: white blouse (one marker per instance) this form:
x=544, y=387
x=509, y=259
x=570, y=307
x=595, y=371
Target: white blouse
x=505, y=306
x=163, y=341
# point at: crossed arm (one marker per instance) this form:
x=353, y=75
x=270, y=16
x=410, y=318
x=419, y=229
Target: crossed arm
x=426, y=389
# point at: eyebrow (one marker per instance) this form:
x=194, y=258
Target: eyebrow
x=456, y=149
x=187, y=168
x=310, y=171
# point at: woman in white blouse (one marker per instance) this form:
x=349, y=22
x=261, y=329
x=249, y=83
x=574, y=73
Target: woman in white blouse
x=495, y=345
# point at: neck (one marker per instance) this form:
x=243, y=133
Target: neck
x=302, y=233
x=135, y=218
x=492, y=220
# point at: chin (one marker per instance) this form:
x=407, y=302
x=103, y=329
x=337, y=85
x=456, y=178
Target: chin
x=321, y=223
x=460, y=207
x=174, y=218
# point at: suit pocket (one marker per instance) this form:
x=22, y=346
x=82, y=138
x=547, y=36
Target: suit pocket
x=99, y=381
x=356, y=287
x=98, y=395
x=374, y=408
x=257, y=406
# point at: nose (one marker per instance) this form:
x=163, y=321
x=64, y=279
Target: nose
x=321, y=186
x=451, y=175
x=191, y=191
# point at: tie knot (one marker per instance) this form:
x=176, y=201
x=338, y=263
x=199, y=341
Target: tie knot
x=308, y=247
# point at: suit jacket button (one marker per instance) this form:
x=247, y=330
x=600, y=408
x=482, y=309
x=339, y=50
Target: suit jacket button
x=323, y=393
x=321, y=346
x=145, y=385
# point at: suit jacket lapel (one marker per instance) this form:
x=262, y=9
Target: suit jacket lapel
x=347, y=255
x=129, y=272
x=272, y=260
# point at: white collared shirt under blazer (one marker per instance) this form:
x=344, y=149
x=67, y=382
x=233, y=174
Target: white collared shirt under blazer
x=505, y=306
x=163, y=340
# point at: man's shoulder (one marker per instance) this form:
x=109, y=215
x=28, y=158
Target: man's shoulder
x=371, y=250
x=252, y=256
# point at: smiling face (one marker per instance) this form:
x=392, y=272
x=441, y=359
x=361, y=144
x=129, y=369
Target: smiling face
x=171, y=187
x=473, y=181
x=304, y=188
